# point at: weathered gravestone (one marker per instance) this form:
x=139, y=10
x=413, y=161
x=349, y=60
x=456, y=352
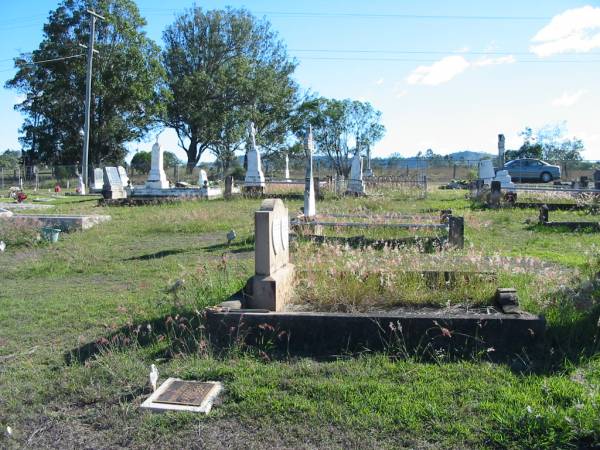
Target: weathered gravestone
x=486, y=170
x=228, y=186
x=255, y=178
x=310, y=208
x=203, y=179
x=113, y=186
x=157, y=179
x=495, y=194
x=355, y=183
x=98, y=182
x=123, y=175
x=272, y=282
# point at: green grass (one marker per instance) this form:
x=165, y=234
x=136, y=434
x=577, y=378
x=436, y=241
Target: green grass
x=109, y=285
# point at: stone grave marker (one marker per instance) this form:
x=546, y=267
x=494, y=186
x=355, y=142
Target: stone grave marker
x=310, y=208
x=228, y=186
x=272, y=282
x=486, y=170
x=157, y=179
x=113, y=186
x=123, y=175
x=255, y=178
x=203, y=179
x=355, y=183
x=98, y=180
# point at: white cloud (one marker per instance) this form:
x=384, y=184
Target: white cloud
x=449, y=67
x=439, y=72
x=509, y=59
x=575, y=30
x=401, y=93
x=568, y=99
x=379, y=82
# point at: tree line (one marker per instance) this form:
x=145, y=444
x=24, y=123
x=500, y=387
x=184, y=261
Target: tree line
x=217, y=71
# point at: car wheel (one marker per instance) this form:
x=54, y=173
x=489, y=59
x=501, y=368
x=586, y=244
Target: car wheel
x=546, y=177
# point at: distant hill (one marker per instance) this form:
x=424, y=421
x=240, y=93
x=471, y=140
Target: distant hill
x=469, y=155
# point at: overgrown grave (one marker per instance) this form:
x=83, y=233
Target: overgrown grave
x=544, y=221
x=264, y=312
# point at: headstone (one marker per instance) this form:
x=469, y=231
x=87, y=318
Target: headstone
x=113, y=186
x=584, y=181
x=504, y=178
x=355, y=183
x=496, y=194
x=310, y=208
x=123, y=175
x=597, y=179
x=544, y=216
x=501, y=142
x=273, y=279
x=287, y=168
x=456, y=231
x=255, y=178
x=98, y=180
x=368, y=171
x=486, y=170
x=203, y=179
x=228, y=186
x=157, y=179
x=81, y=185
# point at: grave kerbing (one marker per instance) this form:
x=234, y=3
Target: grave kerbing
x=310, y=209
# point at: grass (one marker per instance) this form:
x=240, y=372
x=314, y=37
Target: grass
x=82, y=320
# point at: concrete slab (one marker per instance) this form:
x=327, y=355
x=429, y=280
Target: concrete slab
x=152, y=403
x=64, y=223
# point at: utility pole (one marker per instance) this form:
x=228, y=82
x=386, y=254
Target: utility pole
x=88, y=95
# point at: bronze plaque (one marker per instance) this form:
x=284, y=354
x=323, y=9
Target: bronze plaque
x=189, y=393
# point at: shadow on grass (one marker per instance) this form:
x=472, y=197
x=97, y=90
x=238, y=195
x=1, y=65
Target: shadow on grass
x=156, y=255
x=245, y=246
x=567, y=227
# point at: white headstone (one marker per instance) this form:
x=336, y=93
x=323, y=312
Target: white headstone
x=98, y=180
x=504, y=178
x=310, y=209
x=81, y=186
x=254, y=174
x=287, y=168
x=113, y=186
x=486, y=170
x=123, y=175
x=202, y=178
x=368, y=170
x=355, y=182
x=157, y=178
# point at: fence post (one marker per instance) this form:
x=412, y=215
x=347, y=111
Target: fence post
x=454, y=172
x=2, y=177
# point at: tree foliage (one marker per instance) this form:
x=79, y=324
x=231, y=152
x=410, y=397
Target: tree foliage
x=340, y=128
x=124, y=85
x=549, y=143
x=142, y=160
x=225, y=68
x=10, y=159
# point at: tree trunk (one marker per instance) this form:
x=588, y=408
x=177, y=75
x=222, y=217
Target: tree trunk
x=192, y=154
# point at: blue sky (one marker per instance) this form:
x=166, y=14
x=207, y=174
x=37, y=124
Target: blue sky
x=442, y=80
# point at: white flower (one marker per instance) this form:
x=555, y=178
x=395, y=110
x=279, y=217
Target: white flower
x=529, y=409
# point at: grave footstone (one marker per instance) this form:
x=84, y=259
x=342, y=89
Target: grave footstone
x=456, y=231
x=272, y=282
x=113, y=186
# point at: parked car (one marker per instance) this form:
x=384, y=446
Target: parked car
x=532, y=170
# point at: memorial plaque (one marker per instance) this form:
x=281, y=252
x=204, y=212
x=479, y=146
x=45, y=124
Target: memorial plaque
x=188, y=393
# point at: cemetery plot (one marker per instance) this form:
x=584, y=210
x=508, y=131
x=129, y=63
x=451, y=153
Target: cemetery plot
x=579, y=225
x=381, y=230
x=346, y=293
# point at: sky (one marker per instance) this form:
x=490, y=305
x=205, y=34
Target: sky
x=448, y=76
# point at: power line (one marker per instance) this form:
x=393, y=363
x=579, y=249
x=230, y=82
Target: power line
x=332, y=58
x=422, y=52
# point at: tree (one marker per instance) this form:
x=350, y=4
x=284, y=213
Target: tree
x=124, y=84
x=225, y=68
x=550, y=143
x=337, y=126
x=10, y=159
x=142, y=160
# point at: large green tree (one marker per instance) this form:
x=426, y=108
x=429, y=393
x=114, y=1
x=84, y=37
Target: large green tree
x=224, y=69
x=126, y=74
x=340, y=128
x=549, y=142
